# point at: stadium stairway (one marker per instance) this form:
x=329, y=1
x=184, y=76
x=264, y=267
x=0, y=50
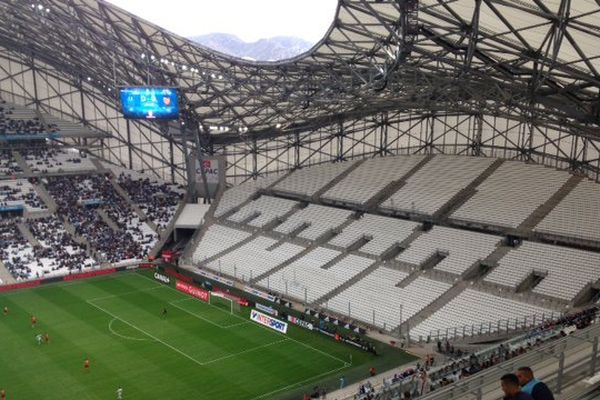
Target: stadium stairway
x=543, y=210
x=108, y=221
x=370, y=269
x=138, y=211
x=45, y=197
x=426, y=312
x=21, y=162
x=315, y=197
x=462, y=196
x=27, y=234
x=5, y=276
x=165, y=234
x=373, y=203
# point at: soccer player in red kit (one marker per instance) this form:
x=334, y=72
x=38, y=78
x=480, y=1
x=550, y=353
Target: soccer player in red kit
x=2, y=394
x=33, y=321
x=86, y=364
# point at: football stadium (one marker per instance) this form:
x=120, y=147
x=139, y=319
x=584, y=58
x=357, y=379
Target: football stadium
x=408, y=209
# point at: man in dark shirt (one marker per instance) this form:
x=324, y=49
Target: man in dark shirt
x=538, y=390
x=512, y=389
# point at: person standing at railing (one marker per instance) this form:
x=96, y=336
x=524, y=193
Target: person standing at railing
x=512, y=388
x=537, y=389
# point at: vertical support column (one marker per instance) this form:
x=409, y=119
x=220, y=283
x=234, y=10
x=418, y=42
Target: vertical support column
x=254, y=158
x=129, y=145
x=561, y=371
x=296, y=149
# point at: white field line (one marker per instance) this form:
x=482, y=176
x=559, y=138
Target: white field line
x=110, y=328
x=267, y=329
x=115, y=317
x=174, y=304
x=293, y=385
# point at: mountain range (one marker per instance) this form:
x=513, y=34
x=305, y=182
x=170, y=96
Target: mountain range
x=271, y=49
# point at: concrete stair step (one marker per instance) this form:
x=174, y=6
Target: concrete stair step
x=24, y=229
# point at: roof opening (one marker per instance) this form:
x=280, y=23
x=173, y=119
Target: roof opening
x=262, y=30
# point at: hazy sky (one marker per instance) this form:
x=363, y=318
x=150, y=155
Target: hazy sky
x=250, y=20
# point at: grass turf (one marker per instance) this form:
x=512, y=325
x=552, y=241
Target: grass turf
x=198, y=350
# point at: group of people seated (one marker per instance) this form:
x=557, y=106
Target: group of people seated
x=8, y=165
x=158, y=201
x=422, y=379
x=55, y=254
x=78, y=199
x=45, y=159
x=17, y=193
x=11, y=126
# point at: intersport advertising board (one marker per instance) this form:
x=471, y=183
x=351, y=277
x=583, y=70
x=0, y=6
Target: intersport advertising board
x=268, y=321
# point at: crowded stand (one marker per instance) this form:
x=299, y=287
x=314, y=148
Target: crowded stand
x=20, y=193
x=54, y=254
x=48, y=160
x=158, y=201
x=8, y=165
x=17, y=120
x=80, y=197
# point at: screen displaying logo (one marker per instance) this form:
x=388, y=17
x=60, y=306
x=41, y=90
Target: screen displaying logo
x=268, y=321
x=149, y=103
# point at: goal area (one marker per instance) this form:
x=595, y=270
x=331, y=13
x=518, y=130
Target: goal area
x=219, y=300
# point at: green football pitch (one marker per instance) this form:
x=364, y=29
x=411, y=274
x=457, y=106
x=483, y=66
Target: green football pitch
x=197, y=350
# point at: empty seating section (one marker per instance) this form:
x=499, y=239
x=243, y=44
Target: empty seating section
x=461, y=248
x=79, y=199
x=8, y=165
x=157, y=200
x=474, y=311
x=436, y=183
x=383, y=232
x=49, y=160
x=377, y=296
x=305, y=277
x=309, y=180
x=577, y=215
x=511, y=194
x=370, y=177
x=566, y=270
x=19, y=193
x=236, y=195
x=319, y=219
x=253, y=258
x=217, y=239
x=263, y=210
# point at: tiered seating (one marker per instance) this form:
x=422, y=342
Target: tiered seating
x=577, y=215
x=8, y=165
x=320, y=219
x=56, y=255
x=236, y=195
x=511, y=194
x=377, y=295
x=568, y=270
x=436, y=183
x=48, y=160
x=306, y=277
x=19, y=193
x=265, y=209
x=158, y=201
x=254, y=258
x=78, y=196
x=474, y=310
x=370, y=177
x=217, y=239
x=19, y=120
x=464, y=248
x=58, y=246
x=308, y=181
x=384, y=233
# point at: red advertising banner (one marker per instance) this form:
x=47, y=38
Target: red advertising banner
x=90, y=274
x=192, y=291
x=23, y=285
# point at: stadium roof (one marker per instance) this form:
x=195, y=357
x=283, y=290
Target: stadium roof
x=535, y=59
